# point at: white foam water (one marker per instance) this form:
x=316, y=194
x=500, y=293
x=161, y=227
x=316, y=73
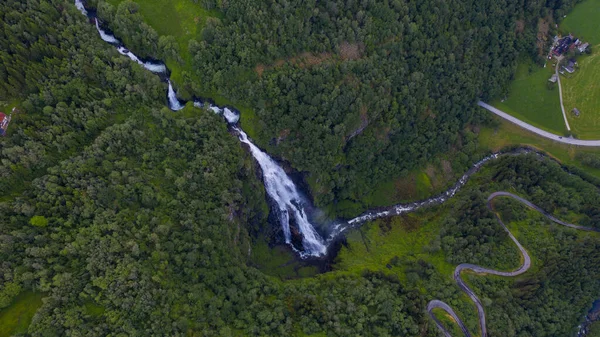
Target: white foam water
x=231, y=116
x=288, y=199
x=156, y=68
x=80, y=6
x=104, y=35
x=174, y=103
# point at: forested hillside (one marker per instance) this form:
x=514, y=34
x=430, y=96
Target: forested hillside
x=356, y=92
x=131, y=219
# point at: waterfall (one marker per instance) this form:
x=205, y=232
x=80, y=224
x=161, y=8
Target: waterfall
x=174, y=103
x=280, y=188
x=156, y=68
x=104, y=35
x=231, y=116
x=80, y=6
x=288, y=199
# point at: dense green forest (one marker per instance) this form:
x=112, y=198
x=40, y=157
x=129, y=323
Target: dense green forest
x=130, y=219
x=354, y=92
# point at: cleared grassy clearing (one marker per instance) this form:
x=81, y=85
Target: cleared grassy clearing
x=584, y=22
x=530, y=100
x=582, y=91
x=508, y=134
x=15, y=318
x=376, y=244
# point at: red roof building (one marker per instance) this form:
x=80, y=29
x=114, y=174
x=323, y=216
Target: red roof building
x=4, y=120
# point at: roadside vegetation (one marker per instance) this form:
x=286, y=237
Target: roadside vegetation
x=531, y=98
x=506, y=134
x=423, y=249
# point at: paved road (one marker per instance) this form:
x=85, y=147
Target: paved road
x=481, y=270
x=562, y=106
x=538, y=131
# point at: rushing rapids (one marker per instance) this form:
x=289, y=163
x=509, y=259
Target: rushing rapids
x=288, y=199
x=291, y=206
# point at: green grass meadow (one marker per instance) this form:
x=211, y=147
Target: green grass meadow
x=582, y=89
x=530, y=100
x=508, y=134
x=584, y=22
x=182, y=19
x=15, y=319
x=376, y=244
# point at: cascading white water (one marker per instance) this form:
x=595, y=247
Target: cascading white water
x=174, y=103
x=157, y=68
x=231, y=116
x=104, y=35
x=278, y=185
x=80, y=6
x=339, y=228
x=288, y=199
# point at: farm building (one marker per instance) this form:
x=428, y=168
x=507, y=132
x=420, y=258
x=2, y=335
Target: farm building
x=582, y=48
x=554, y=78
x=576, y=112
x=570, y=67
x=4, y=120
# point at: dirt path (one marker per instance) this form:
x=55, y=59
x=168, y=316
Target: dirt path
x=562, y=106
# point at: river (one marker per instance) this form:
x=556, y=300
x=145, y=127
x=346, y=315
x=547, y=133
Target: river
x=293, y=207
x=290, y=205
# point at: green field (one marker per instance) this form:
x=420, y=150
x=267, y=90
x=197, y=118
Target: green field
x=182, y=19
x=530, y=100
x=508, y=134
x=584, y=22
x=407, y=238
x=15, y=318
x=581, y=90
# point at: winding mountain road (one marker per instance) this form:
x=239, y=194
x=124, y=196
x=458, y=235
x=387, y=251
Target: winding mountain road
x=481, y=270
x=538, y=131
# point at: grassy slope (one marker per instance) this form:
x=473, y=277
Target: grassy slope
x=583, y=21
x=582, y=89
x=15, y=319
x=530, y=99
x=372, y=247
x=411, y=237
x=182, y=19
x=508, y=134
